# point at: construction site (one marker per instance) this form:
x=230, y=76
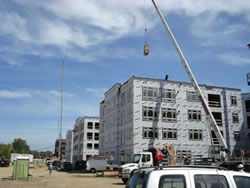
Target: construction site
x=143, y=123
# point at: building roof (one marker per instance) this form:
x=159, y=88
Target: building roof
x=176, y=82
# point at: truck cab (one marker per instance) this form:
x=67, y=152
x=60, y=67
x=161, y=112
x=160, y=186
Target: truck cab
x=142, y=159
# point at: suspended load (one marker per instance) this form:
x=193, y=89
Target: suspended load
x=146, y=46
x=146, y=49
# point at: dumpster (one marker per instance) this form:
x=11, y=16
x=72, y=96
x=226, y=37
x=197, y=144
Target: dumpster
x=21, y=168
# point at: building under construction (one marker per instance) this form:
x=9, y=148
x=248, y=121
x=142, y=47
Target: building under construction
x=63, y=145
x=147, y=112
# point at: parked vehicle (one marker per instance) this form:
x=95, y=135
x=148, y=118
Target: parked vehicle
x=57, y=165
x=188, y=177
x=112, y=166
x=100, y=165
x=4, y=162
x=67, y=166
x=150, y=158
x=80, y=165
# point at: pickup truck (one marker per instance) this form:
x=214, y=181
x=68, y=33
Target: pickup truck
x=188, y=177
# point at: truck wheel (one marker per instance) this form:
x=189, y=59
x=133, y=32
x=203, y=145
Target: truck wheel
x=92, y=170
x=124, y=180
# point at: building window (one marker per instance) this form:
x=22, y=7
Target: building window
x=169, y=134
x=96, y=136
x=168, y=95
x=123, y=99
x=192, y=96
x=129, y=95
x=218, y=118
x=194, y=115
x=247, y=104
x=123, y=137
x=96, y=146
x=150, y=132
x=97, y=126
x=123, y=117
x=248, y=122
x=195, y=134
x=236, y=135
x=89, y=145
x=89, y=136
x=150, y=113
x=214, y=100
x=235, y=117
x=169, y=115
x=149, y=94
x=233, y=100
x=90, y=125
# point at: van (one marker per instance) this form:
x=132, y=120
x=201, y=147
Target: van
x=95, y=165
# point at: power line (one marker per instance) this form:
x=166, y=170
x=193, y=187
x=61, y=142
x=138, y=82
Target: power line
x=43, y=148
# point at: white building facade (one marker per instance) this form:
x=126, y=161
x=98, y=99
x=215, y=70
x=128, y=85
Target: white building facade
x=86, y=138
x=145, y=112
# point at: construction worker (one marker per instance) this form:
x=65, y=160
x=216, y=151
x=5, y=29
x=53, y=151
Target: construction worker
x=240, y=168
x=165, y=152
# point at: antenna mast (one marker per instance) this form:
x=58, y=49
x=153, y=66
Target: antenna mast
x=60, y=133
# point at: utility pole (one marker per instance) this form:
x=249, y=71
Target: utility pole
x=60, y=132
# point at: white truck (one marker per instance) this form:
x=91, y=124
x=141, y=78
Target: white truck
x=143, y=159
x=189, y=177
x=95, y=165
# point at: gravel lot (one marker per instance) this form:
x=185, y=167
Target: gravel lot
x=40, y=178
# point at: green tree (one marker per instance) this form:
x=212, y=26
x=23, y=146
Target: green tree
x=5, y=150
x=20, y=146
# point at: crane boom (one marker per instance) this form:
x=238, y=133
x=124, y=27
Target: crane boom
x=194, y=82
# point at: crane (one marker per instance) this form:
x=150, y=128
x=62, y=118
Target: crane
x=194, y=82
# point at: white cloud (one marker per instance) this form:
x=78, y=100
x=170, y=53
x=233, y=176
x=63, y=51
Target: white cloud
x=58, y=94
x=72, y=27
x=14, y=25
x=98, y=92
x=218, y=31
x=47, y=103
x=14, y=94
x=234, y=59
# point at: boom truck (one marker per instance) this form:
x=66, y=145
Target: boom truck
x=150, y=158
x=204, y=102
x=146, y=158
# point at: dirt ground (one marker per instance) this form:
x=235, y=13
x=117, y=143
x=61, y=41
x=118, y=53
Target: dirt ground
x=40, y=178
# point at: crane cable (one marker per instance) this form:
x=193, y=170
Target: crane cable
x=146, y=46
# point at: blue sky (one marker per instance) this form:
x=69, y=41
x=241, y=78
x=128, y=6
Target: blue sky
x=101, y=43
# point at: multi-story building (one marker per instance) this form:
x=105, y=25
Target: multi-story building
x=69, y=146
x=86, y=138
x=63, y=143
x=246, y=115
x=145, y=112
